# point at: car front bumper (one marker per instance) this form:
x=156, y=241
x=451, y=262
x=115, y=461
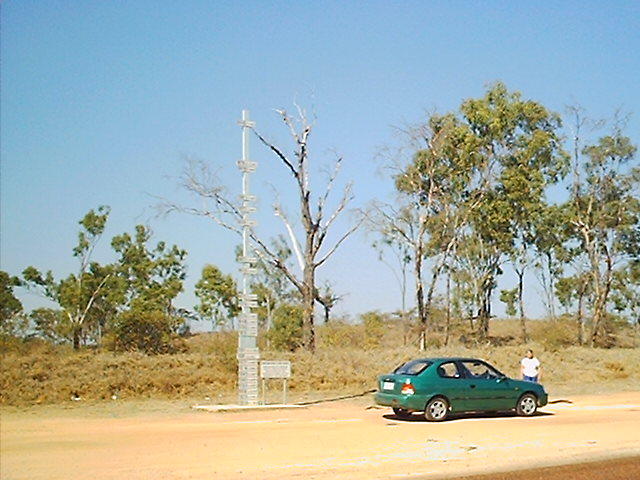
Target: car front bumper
x=543, y=399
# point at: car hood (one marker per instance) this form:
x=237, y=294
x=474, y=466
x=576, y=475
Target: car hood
x=523, y=385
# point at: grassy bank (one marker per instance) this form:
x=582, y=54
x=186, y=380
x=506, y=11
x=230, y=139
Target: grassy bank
x=347, y=361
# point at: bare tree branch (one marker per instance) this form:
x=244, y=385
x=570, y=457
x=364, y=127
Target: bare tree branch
x=338, y=243
x=322, y=200
x=217, y=205
x=346, y=198
x=278, y=153
x=294, y=241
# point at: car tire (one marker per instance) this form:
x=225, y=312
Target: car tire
x=401, y=412
x=527, y=405
x=437, y=409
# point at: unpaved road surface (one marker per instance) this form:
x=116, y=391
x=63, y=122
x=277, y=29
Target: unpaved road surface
x=342, y=440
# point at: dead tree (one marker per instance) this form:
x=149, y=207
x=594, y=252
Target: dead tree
x=308, y=236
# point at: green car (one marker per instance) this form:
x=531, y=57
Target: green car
x=441, y=386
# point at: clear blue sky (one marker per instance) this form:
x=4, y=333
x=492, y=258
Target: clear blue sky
x=102, y=101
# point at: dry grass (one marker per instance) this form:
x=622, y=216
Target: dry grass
x=345, y=362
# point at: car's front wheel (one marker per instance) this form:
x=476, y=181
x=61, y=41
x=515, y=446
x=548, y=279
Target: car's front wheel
x=437, y=409
x=401, y=412
x=527, y=405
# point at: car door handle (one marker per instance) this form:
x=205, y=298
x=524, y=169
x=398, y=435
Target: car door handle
x=472, y=386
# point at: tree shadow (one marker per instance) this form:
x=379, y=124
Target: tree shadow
x=419, y=417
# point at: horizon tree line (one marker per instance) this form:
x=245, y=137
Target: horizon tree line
x=472, y=199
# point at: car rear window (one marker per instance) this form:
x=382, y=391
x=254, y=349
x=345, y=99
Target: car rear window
x=414, y=367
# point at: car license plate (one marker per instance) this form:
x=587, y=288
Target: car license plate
x=388, y=385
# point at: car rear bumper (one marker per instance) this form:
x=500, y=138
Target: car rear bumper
x=408, y=402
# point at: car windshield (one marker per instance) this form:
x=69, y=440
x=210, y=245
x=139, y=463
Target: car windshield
x=414, y=367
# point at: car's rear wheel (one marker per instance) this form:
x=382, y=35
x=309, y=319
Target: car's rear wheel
x=401, y=412
x=527, y=405
x=437, y=409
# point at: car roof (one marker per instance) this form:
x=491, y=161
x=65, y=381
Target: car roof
x=448, y=359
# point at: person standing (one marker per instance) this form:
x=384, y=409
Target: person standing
x=530, y=368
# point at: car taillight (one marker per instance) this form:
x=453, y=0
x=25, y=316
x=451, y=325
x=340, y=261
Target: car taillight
x=408, y=389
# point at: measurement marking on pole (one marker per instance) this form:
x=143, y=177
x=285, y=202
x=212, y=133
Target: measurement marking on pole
x=248, y=353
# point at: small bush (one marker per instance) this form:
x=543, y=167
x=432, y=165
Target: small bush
x=146, y=331
x=373, y=328
x=286, y=332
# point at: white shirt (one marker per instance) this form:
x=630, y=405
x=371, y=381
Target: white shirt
x=530, y=366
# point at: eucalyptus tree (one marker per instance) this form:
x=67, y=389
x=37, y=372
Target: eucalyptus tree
x=437, y=188
x=92, y=294
x=308, y=234
x=605, y=214
x=518, y=141
x=12, y=323
x=152, y=275
x=574, y=291
x=218, y=296
x=50, y=324
x=551, y=252
x=626, y=292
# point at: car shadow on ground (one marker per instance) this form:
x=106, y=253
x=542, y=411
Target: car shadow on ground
x=419, y=417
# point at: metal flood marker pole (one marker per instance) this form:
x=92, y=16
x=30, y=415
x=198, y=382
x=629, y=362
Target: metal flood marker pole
x=248, y=353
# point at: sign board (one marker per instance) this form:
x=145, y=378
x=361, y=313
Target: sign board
x=275, y=369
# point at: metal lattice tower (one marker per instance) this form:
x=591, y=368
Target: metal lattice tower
x=248, y=353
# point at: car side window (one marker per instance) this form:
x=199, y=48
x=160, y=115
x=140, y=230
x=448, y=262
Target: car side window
x=477, y=369
x=448, y=370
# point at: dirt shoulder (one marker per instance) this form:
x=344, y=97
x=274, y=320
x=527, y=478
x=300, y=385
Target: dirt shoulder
x=624, y=468
x=339, y=440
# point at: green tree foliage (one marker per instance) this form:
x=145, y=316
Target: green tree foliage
x=51, y=324
x=149, y=331
x=270, y=284
x=218, y=296
x=478, y=184
x=152, y=277
x=286, y=332
x=12, y=322
x=509, y=298
x=518, y=139
x=549, y=238
x=437, y=191
x=626, y=292
x=605, y=216
x=89, y=297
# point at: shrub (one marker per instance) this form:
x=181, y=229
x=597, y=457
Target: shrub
x=145, y=331
x=286, y=332
x=373, y=328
